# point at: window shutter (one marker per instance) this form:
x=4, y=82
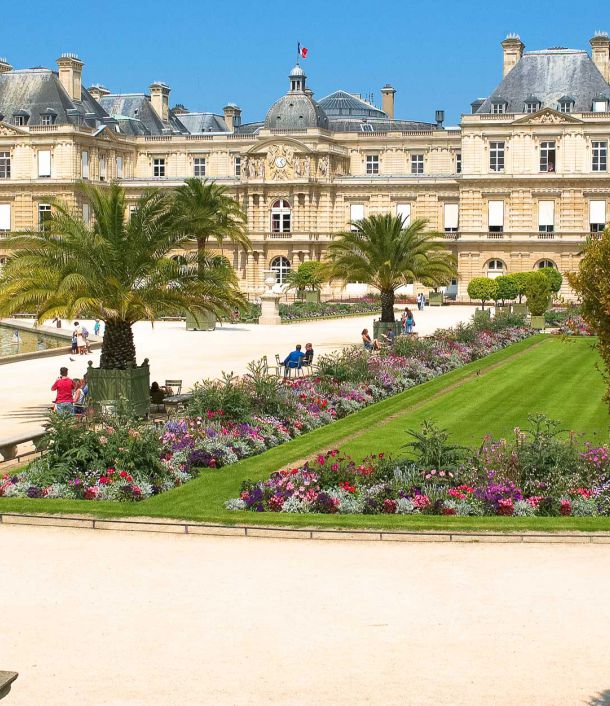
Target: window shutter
x=5, y=216
x=44, y=163
x=85, y=164
x=546, y=213
x=404, y=210
x=597, y=212
x=496, y=213
x=451, y=215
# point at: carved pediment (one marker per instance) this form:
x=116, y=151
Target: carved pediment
x=105, y=133
x=7, y=130
x=548, y=116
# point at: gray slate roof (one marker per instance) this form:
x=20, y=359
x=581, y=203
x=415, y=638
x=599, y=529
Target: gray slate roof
x=296, y=111
x=137, y=107
x=549, y=75
x=39, y=91
x=386, y=125
x=198, y=123
x=344, y=104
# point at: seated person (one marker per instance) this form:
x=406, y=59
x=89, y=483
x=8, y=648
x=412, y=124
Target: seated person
x=157, y=394
x=389, y=335
x=369, y=344
x=293, y=360
x=78, y=397
x=308, y=359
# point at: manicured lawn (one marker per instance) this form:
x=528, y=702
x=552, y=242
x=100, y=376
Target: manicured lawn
x=540, y=374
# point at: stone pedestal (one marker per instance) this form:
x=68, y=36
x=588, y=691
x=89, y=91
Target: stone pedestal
x=270, y=309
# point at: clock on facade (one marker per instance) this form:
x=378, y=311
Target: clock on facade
x=280, y=162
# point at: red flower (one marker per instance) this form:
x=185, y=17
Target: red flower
x=389, y=506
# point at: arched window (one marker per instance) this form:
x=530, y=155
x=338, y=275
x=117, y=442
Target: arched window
x=495, y=268
x=546, y=263
x=281, y=266
x=281, y=217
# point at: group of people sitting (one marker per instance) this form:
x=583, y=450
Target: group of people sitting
x=298, y=359
x=70, y=394
x=407, y=322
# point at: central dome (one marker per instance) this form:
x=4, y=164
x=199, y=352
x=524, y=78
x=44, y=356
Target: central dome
x=297, y=110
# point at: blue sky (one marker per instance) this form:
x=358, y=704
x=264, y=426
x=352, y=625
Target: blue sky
x=436, y=54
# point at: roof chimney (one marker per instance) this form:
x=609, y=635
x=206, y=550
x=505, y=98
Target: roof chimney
x=440, y=119
x=232, y=116
x=4, y=65
x=70, y=74
x=387, y=100
x=98, y=91
x=159, y=97
x=600, y=54
x=513, y=51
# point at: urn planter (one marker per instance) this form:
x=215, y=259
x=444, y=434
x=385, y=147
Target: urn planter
x=436, y=299
x=537, y=322
x=381, y=327
x=108, y=387
x=310, y=297
x=519, y=309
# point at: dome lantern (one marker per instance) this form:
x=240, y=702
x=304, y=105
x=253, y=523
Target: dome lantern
x=297, y=80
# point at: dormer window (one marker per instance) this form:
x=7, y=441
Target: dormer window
x=366, y=127
x=498, y=106
x=20, y=118
x=532, y=105
x=565, y=105
x=600, y=104
x=47, y=117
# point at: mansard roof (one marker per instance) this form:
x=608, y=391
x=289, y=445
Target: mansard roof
x=550, y=74
x=198, y=123
x=349, y=105
x=135, y=113
x=37, y=92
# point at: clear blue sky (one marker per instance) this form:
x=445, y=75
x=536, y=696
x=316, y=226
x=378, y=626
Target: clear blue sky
x=436, y=54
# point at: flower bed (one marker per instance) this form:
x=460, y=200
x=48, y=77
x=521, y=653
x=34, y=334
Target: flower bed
x=303, y=311
x=535, y=474
x=122, y=459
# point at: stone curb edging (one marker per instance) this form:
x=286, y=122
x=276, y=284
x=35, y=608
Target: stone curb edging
x=152, y=525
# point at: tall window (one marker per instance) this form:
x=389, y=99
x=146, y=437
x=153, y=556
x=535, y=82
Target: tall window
x=546, y=216
x=404, y=211
x=5, y=165
x=458, y=162
x=597, y=215
x=547, y=156
x=281, y=266
x=372, y=164
x=86, y=213
x=281, y=217
x=356, y=213
x=44, y=163
x=417, y=164
x=237, y=166
x=495, y=217
x=451, y=215
x=496, y=156
x=44, y=215
x=495, y=268
x=199, y=166
x=159, y=167
x=102, y=168
x=84, y=164
x=5, y=217
x=119, y=167
x=599, y=151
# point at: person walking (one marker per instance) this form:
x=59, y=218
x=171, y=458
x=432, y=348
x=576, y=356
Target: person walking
x=57, y=322
x=86, y=339
x=80, y=341
x=96, y=327
x=410, y=320
x=63, y=387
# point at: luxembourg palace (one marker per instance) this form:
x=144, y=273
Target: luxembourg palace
x=519, y=184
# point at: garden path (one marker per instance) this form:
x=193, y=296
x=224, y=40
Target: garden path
x=263, y=621
x=190, y=355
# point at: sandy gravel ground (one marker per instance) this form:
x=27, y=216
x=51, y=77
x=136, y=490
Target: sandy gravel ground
x=174, y=352
x=120, y=619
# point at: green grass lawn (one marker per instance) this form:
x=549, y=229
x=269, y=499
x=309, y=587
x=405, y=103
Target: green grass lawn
x=541, y=374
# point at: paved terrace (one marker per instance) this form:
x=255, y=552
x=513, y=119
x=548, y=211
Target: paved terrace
x=136, y=619
x=175, y=352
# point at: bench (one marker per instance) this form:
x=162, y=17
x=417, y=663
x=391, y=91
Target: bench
x=8, y=445
x=6, y=681
x=176, y=401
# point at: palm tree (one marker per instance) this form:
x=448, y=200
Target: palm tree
x=116, y=269
x=206, y=211
x=384, y=253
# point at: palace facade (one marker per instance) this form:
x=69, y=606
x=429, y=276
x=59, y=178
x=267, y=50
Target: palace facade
x=519, y=184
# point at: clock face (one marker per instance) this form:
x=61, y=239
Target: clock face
x=280, y=162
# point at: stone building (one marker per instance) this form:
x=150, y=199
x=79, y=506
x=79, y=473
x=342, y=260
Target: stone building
x=518, y=185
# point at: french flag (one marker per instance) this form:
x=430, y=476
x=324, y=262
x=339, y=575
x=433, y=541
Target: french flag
x=302, y=51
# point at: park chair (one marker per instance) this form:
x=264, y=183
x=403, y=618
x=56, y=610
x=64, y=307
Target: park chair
x=175, y=386
x=272, y=369
x=279, y=364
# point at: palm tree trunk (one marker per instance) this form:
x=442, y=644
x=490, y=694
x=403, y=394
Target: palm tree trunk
x=118, y=349
x=387, y=305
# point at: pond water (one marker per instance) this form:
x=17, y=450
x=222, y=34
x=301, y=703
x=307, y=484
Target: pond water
x=27, y=342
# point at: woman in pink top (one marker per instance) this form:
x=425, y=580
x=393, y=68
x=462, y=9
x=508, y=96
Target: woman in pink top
x=63, y=387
